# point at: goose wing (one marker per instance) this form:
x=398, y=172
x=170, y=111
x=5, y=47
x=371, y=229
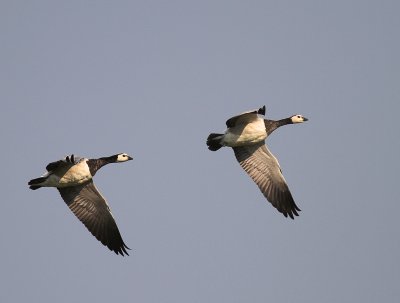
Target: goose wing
x=92, y=210
x=264, y=169
x=66, y=162
x=245, y=117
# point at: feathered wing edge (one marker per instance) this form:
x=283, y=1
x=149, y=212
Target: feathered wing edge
x=262, y=166
x=90, y=207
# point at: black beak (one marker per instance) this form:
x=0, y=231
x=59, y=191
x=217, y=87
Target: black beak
x=130, y=158
x=305, y=119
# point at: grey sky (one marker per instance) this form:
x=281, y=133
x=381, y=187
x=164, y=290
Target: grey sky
x=153, y=79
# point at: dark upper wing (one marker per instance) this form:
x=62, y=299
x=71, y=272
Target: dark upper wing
x=265, y=171
x=67, y=161
x=245, y=117
x=91, y=208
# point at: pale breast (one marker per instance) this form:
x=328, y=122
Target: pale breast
x=77, y=174
x=245, y=134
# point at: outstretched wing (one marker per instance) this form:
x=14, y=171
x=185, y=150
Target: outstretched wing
x=264, y=169
x=245, y=117
x=66, y=162
x=92, y=210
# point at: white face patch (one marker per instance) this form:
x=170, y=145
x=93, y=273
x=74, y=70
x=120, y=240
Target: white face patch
x=298, y=119
x=123, y=157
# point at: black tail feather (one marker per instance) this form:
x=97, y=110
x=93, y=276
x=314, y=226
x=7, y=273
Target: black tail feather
x=214, y=141
x=33, y=183
x=34, y=187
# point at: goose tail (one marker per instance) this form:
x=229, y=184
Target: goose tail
x=214, y=141
x=34, y=183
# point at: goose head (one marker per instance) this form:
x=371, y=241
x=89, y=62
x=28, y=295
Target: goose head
x=122, y=157
x=298, y=119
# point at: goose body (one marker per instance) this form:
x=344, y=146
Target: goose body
x=244, y=129
x=246, y=134
x=68, y=172
x=73, y=177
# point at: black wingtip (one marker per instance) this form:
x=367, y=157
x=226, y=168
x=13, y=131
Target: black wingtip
x=122, y=250
x=292, y=212
x=261, y=111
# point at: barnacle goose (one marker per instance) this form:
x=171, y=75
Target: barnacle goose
x=73, y=177
x=246, y=134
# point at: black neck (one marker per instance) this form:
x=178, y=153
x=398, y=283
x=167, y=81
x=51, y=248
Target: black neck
x=96, y=164
x=272, y=125
x=110, y=159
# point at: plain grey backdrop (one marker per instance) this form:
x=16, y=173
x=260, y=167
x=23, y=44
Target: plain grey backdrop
x=153, y=79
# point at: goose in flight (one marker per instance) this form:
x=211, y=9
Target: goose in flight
x=73, y=177
x=246, y=134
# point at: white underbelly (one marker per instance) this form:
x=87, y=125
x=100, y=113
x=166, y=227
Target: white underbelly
x=65, y=181
x=245, y=134
x=68, y=179
x=75, y=175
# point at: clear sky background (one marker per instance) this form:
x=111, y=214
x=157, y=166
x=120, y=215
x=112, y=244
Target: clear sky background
x=153, y=79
